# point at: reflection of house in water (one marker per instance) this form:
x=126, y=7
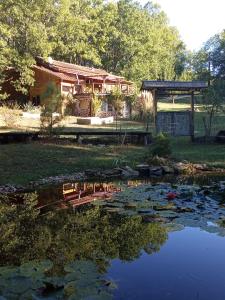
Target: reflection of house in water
x=79, y=193
x=82, y=192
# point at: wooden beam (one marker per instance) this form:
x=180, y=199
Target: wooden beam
x=155, y=106
x=192, y=120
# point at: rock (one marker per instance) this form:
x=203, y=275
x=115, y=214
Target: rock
x=167, y=170
x=143, y=169
x=181, y=167
x=156, y=171
x=111, y=173
x=201, y=167
x=92, y=173
x=129, y=172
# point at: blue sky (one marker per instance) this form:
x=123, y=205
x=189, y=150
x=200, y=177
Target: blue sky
x=196, y=20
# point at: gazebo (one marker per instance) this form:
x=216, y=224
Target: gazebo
x=174, y=88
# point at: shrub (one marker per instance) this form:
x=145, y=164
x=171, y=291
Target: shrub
x=29, y=107
x=161, y=146
x=95, y=105
x=10, y=115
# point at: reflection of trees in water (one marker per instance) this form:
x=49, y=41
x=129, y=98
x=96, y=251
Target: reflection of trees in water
x=65, y=236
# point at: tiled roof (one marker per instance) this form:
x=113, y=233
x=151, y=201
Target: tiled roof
x=62, y=76
x=76, y=69
x=72, y=72
x=173, y=85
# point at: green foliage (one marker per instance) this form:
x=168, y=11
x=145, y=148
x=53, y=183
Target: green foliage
x=10, y=115
x=116, y=99
x=161, y=146
x=213, y=101
x=22, y=38
x=51, y=101
x=121, y=36
x=64, y=236
x=95, y=105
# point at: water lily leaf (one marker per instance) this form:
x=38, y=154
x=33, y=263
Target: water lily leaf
x=170, y=227
x=81, y=267
x=7, y=272
x=36, y=268
x=19, y=284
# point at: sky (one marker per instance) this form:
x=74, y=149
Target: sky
x=196, y=20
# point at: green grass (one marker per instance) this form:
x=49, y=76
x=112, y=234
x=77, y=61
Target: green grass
x=211, y=154
x=21, y=163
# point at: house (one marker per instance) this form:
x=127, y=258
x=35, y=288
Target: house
x=81, y=83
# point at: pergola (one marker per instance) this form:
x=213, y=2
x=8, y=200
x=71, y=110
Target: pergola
x=175, y=88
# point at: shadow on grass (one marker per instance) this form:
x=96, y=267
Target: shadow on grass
x=22, y=163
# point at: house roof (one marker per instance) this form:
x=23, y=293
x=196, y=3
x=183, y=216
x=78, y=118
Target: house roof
x=71, y=72
x=61, y=76
x=173, y=85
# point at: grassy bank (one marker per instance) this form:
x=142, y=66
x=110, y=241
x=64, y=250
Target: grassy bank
x=21, y=163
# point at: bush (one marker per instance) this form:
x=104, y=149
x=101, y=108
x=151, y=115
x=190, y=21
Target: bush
x=10, y=115
x=95, y=105
x=161, y=146
x=30, y=108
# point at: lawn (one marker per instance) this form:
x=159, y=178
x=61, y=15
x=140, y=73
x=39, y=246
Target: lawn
x=22, y=163
x=211, y=154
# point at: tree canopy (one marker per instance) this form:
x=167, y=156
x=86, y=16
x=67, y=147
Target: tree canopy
x=122, y=37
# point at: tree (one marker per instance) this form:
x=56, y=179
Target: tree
x=25, y=32
x=214, y=101
x=51, y=101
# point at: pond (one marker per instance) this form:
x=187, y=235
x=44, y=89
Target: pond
x=139, y=239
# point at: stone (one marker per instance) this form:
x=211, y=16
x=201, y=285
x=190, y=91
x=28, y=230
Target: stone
x=167, y=170
x=201, y=167
x=143, y=169
x=111, y=173
x=129, y=172
x=156, y=171
x=92, y=173
x=181, y=167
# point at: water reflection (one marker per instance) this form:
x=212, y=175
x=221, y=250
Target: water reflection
x=78, y=193
x=130, y=242
x=63, y=236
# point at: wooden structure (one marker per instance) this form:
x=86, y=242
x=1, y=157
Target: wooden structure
x=139, y=137
x=17, y=137
x=80, y=82
x=174, y=88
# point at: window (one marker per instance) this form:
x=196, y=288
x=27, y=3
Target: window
x=110, y=108
x=66, y=89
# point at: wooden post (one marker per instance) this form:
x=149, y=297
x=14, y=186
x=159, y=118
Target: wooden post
x=192, y=120
x=154, y=94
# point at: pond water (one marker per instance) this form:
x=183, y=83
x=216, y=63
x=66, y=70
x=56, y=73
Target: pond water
x=139, y=239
